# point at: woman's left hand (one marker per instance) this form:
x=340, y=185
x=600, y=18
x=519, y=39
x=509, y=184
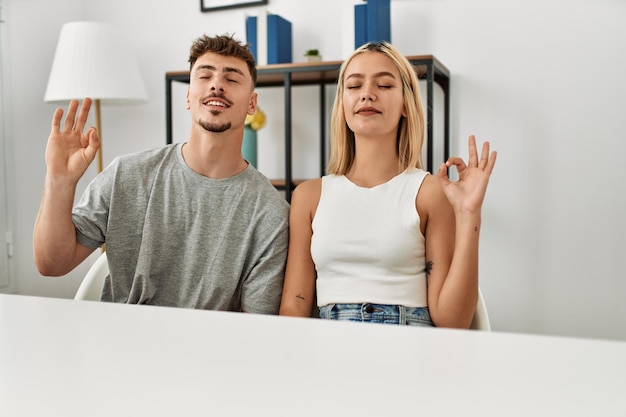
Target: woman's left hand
x=468, y=192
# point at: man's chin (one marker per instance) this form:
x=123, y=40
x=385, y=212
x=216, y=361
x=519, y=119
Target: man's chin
x=215, y=127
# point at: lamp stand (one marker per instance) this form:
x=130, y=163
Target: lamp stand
x=99, y=153
x=99, y=130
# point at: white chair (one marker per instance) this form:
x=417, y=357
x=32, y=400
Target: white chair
x=91, y=287
x=481, y=317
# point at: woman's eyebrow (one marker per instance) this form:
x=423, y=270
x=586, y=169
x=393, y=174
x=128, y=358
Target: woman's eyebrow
x=377, y=75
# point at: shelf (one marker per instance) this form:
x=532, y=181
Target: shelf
x=286, y=76
x=280, y=184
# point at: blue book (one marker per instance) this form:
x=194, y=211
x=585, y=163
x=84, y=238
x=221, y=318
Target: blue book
x=378, y=20
x=360, y=25
x=251, y=35
x=279, y=40
x=372, y=22
x=270, y=39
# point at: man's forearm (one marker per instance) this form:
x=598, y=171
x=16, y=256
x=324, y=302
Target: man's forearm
x=54, y=238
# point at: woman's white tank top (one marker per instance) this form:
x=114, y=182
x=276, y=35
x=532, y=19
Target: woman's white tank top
x=367, y=245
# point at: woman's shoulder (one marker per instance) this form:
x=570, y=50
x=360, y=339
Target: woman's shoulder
x=431, y=193
x=308, y=188
x=307, y=194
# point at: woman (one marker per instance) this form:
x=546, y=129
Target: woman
x=379, y=238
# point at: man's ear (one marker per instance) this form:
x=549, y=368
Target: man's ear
x=187, y=106
x=253, y=103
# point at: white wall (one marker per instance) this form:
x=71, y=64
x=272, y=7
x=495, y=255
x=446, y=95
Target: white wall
x=541, y=79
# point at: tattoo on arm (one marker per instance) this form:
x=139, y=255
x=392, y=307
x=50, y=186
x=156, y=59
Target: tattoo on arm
x=300, y=297
x=429, y=266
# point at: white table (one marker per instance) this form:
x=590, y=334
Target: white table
x=81, y=358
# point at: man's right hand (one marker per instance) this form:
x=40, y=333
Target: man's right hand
x=70, y=150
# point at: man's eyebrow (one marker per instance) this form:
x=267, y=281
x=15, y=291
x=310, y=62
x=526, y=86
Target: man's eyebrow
x=226, y=69
x=206, y=67
x=235, y=70
x=377, y=75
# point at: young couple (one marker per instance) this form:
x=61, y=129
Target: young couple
x=194, y=225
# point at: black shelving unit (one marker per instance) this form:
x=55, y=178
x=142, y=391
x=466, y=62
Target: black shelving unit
x=322, y=74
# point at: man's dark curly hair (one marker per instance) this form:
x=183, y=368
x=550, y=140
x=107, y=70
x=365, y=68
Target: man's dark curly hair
x=225, y=45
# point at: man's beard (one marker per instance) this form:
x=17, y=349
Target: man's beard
x=213, y=127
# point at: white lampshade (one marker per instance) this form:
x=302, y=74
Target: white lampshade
x=94, y=60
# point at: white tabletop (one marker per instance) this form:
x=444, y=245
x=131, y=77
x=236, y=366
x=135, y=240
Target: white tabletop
x=81, y=358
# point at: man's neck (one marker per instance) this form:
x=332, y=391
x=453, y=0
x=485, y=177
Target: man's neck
x=214, y=155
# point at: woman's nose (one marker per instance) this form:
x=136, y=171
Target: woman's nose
x=367, y=94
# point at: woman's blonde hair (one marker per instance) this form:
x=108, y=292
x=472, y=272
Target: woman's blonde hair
x=410, y=136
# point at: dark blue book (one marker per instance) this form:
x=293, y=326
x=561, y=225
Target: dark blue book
x=378, y=20
x=279, y=40
x=360, y=25
x=251, y=35
x=372, y=22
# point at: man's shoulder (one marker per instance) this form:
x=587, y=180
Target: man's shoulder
x=143, y=163
x=265, y=187
x=146, y=155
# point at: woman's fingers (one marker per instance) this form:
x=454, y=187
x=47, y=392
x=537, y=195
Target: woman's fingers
x=484, y=156
x=473, y=153
x=491, y=162
x=485, y=163
x=457, y=162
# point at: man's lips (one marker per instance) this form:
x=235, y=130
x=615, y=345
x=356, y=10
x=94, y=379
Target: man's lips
x=217, y=102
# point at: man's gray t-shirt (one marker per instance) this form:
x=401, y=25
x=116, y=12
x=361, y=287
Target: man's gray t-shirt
x=176, y=238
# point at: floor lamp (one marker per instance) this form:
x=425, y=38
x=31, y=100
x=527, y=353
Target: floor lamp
x=93, y=59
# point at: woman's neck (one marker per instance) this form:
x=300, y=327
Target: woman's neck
x=375, y=163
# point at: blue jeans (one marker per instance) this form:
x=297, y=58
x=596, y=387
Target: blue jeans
x=377, y=313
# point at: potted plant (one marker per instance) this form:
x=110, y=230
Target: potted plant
x=253, y=123
x=313, y=55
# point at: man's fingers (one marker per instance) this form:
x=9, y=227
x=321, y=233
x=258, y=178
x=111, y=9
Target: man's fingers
x=70, y=116
x=83, y=115
x=56, y=120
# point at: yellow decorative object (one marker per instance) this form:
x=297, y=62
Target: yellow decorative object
x=257, y=120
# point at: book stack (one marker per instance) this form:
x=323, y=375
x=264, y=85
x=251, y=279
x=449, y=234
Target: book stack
x=269, y=37
x=372, y=22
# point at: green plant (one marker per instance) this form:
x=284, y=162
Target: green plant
x=312, y=52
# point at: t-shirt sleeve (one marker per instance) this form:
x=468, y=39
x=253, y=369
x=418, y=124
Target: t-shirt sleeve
x=91, y=213
x=262, y=288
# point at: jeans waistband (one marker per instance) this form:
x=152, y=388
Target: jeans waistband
x=378, y=313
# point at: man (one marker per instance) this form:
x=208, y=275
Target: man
x=188, y=225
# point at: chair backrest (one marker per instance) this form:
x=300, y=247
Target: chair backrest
x=91, y=287
x=481, y=317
